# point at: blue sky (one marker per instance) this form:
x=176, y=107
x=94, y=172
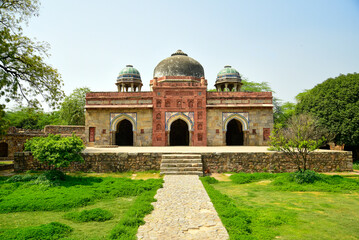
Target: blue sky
x=292, y=45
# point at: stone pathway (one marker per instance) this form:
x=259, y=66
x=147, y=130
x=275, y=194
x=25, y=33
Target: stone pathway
x=183, y=211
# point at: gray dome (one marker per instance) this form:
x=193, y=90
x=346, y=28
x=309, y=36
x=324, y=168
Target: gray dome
x=179, y=64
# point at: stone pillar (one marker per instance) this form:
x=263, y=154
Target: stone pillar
x=139, y=88
x=226, y=87
x=132, y=88
x=123, y=87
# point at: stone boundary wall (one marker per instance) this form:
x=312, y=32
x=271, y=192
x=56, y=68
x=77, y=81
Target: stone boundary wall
x=275, y=162
x=212, y=162
x=64, y=129
x=96, y=162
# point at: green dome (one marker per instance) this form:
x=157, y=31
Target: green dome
x=228, y=72
x=129, y=72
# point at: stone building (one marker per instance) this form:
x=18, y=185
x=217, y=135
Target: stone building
x=178, y=110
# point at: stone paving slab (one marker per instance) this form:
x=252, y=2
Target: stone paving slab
x=183, y=211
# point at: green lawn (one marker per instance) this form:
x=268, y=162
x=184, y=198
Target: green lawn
x=302, y=214
x=31, y=200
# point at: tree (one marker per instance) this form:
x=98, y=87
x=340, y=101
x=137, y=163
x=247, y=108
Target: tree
x=32, y=118
x=23, y=72
x=302, y=136
x=335, y=102
x=55, y=150
x=4, y=123
x=284, y=113
x=72, y=109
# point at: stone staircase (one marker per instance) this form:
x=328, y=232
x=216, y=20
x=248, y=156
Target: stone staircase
x=181, y=164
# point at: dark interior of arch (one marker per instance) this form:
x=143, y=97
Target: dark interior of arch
x=4, y=149
x=234, y=135
x=179, y=135
x=124, y=134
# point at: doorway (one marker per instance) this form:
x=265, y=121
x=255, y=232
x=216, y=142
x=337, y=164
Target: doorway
x=4, y=149
x=179, y=134
x=234, y=134
x=124, y=133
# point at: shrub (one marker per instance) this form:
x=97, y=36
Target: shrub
x=210, y=180
x=21, y=178
x=307, y=176
x=49, y=231
x=55, y=175
x=55, y=150
x=96, y=214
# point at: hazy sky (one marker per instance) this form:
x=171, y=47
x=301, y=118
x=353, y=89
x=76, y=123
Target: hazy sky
x=292, y=45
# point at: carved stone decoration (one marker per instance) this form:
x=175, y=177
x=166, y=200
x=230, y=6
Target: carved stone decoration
x=158, y=116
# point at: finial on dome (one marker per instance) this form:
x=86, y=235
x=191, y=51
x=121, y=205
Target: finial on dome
x=129, y=66
x=179, y=52
x=227, y=66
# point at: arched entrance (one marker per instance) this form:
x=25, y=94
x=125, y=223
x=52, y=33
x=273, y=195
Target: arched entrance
x=179, y=134
x=4, y=149
x=234, y=134
x=124, y=133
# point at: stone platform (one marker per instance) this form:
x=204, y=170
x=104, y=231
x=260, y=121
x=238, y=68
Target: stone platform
x=214, y=159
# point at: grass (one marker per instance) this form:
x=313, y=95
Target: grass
x=96, y=215
x=49, y=231
x=356, y=166
x=32, y=203
x=5, y=162
x=276, y=207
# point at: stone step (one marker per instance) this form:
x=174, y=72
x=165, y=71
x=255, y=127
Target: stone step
x=177, y=164
x=181, y=169
x=181, y=161
x=181, y=156
x=199, y=173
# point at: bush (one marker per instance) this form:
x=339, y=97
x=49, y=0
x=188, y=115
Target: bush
x=21, y=178
x=307, y=176
x=241, y=178
x=49, y=231
x=210, y=180
x=55, y=175
x=96, y=214
x=55, y=150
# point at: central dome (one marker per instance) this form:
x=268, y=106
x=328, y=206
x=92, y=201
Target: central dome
x=179, y=64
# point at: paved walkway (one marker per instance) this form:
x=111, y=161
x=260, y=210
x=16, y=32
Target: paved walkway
x=183, y=211
x=179, y=149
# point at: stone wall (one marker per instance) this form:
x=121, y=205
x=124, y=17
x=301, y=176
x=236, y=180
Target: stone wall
x=324, y=161
x=96, y=162
x=64, y=129
x=328, y=161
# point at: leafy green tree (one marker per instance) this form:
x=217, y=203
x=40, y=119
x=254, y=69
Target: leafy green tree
x=302, y=136
x=23, y=72
x=72, y=109
x=335, y=102
x=56, y=151
x=32, y=118
x=4, y=123
x=285, y=112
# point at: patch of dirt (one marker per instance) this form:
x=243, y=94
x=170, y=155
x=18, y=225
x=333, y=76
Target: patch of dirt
x=264, y=182
x=224, y=177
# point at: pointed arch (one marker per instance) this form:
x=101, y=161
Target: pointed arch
x=121, y=116
x=237, y=116
x=181, y=116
